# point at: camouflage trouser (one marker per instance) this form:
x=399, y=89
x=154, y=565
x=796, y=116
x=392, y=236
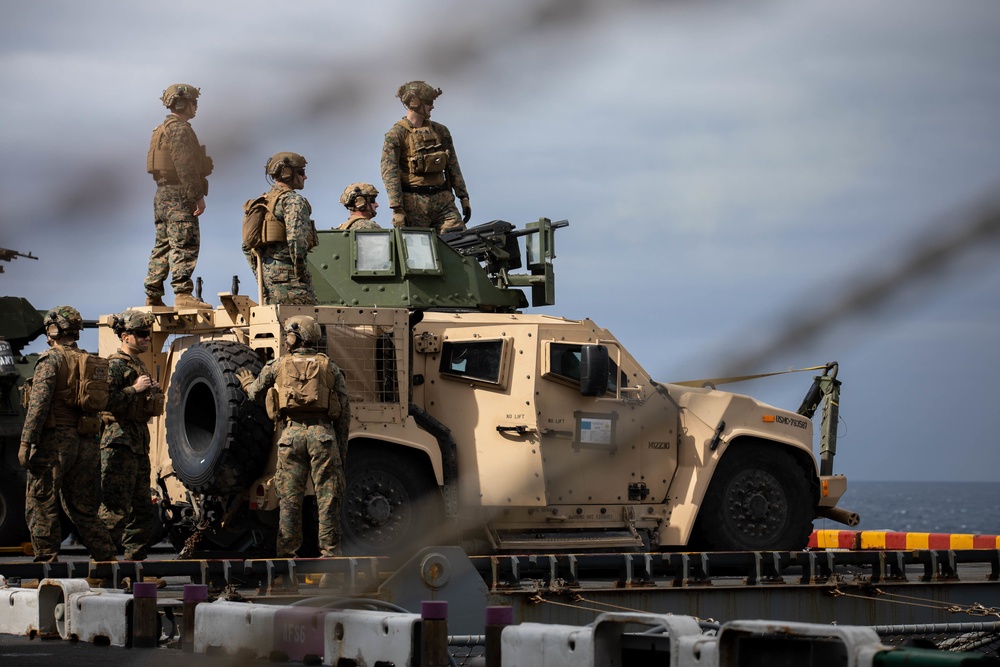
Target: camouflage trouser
x=178, y=239
x=66, y=467
x=281, y=284
x=437, y=210
x=303, y=451
x=126, y=507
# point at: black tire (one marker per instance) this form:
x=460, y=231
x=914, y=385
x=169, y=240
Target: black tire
x=218, y=440
x=392, y=506
x=13, y=529
x=759, y=500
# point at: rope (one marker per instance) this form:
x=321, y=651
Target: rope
x=975, y=609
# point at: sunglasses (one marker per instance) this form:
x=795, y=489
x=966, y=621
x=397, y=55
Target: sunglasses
x=141, y=333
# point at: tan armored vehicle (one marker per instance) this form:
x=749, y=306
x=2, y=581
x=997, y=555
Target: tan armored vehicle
x=474, y=422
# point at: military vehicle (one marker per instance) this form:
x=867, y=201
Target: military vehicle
x=476, y=423
x=20, y=324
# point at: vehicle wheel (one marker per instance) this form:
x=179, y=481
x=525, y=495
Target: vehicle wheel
x=392, y=506
x=13, y=529
x=218, y=439
x=759, y=500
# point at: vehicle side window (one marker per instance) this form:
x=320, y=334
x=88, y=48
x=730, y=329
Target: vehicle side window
x=564, y=361
x=474, y=360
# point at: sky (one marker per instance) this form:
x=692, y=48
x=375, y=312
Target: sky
x=751, y=187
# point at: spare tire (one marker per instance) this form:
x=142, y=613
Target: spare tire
x=218, y=439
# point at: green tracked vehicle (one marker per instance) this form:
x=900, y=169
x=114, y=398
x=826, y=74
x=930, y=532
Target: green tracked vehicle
x=476, y=423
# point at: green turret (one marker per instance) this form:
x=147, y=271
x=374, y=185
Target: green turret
x=417, y=269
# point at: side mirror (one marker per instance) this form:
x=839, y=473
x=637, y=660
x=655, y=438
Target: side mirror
x=594, y=367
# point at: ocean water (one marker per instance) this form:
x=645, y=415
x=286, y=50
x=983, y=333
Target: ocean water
x=925, y=507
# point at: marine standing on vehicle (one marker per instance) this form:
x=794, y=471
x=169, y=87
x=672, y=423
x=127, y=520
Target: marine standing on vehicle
x=180, y=167
x=58, y=445
x=133, y=397
x=287, y=235
x=420, y=168
x=359, y=199
x=310, y=395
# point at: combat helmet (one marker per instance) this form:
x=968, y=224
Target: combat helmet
x=305, y=327
x=177, y=95
x=281, y=165
x=415, y=93
x=131, y=320
x=365, y=191
x=66, y=318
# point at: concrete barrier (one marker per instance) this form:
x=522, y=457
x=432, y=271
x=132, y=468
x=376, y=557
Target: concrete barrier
x=235, y=628
x=19, y=611
x=604, y=642
x=53, y=595
x=850, y=646
x=97, y=616
x=375, y=636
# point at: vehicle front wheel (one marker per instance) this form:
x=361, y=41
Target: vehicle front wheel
x=392, y=506
x=759, y=500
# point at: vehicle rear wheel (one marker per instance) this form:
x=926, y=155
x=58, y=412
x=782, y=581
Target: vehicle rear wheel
x=392, y=506
x=218, y=439
x=759, y=500
x=13, y=529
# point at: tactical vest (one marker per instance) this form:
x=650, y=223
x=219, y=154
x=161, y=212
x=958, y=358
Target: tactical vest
x=424, y=158
x=304, y=384
x=146, y=405
x=159, y=161
x=260, y=225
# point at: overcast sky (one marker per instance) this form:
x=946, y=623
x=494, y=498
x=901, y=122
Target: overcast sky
x=732, y=172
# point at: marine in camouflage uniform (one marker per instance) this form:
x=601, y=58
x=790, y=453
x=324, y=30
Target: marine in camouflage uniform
x=63, y=465
x=180, y=167
x=420, y=168
x=133, y=397
x=360, y=200
x=285, y=274
x=311, y=445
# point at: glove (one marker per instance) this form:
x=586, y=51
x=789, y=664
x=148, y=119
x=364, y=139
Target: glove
x=466, y=211
x=398, y=217
x=24, y=454
x=246, y=378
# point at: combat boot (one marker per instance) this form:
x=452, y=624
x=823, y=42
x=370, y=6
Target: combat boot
x=188, y=301
x=155, y=301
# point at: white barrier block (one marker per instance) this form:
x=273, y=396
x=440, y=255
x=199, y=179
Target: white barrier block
x=851, y=646
x=19, y=611
x=547, y=645
x=371, y=637
x=700, y=651
x=53, y=595
x=234, y=627
x=98, y=614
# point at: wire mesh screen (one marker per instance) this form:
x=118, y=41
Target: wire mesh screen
x=369, y=357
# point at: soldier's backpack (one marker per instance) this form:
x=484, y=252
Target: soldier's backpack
x=90, y=372
x=260, y=226
x=304, y=383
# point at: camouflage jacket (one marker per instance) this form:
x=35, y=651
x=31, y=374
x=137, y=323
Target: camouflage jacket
x=394, y=159
x=357, y=221
x=45, y=384
x=119, y=429
x=295, y=213
x=341, y=425
x=185, y=151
